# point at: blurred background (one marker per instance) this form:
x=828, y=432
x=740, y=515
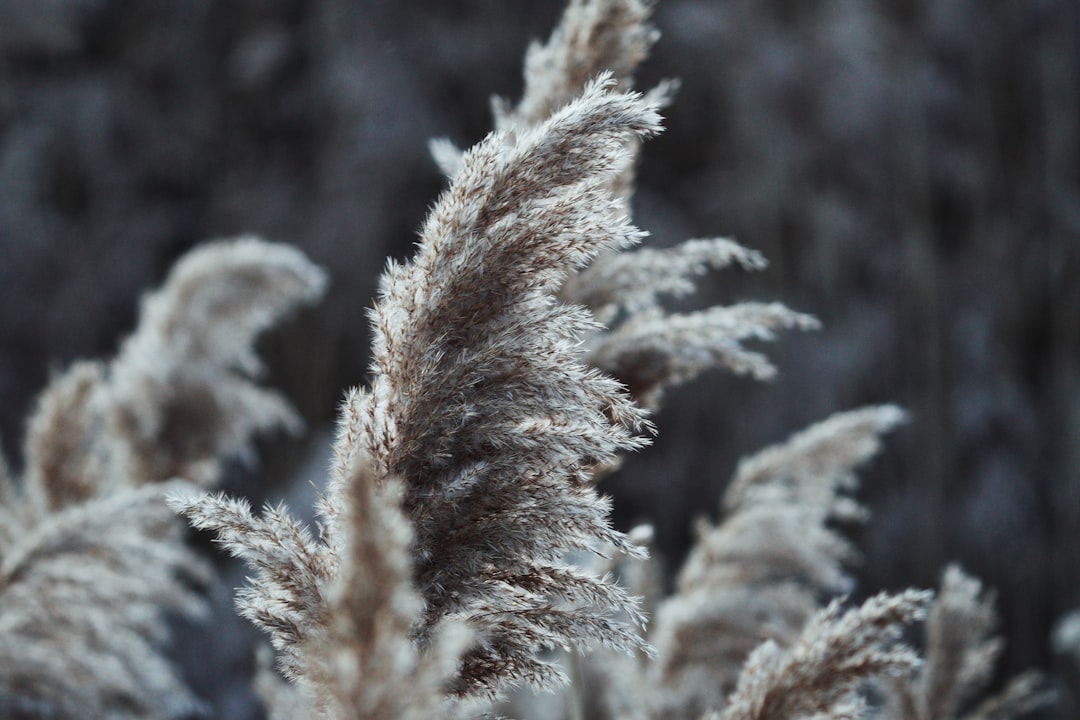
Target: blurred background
x=911, y=168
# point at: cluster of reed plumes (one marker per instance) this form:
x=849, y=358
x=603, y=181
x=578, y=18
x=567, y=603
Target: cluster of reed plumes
x=463, y=554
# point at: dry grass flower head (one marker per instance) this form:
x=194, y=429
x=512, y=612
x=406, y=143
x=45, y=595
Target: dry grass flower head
x=762, y=572
x=481, y=404
x=961, y=653
x=91, y=560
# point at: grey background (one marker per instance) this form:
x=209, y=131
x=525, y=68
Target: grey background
x=910, y=168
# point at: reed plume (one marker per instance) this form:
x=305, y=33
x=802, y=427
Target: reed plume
x=91, y=560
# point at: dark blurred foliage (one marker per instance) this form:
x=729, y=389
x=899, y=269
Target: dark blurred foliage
x=910, y=167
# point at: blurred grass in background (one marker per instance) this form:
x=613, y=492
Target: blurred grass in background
x=910, y=167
